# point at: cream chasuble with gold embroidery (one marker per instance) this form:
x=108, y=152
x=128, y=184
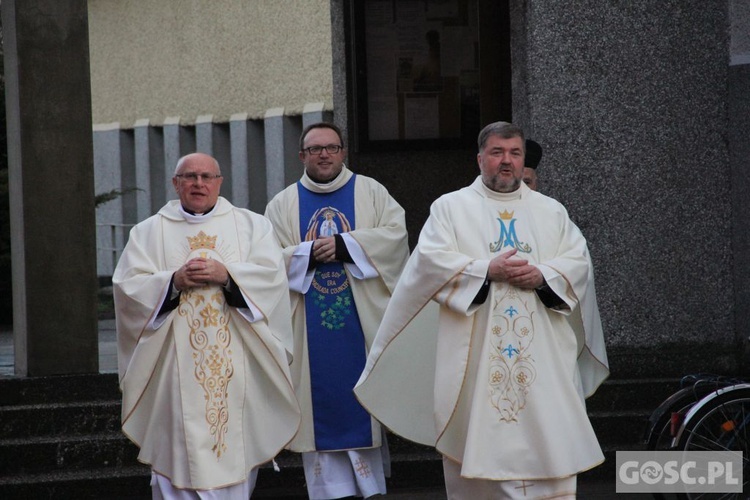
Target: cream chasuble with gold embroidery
x=502, y=382
x=207, y=394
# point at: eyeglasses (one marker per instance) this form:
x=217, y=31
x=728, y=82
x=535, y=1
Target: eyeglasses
x=192, y=177
x=332, y=149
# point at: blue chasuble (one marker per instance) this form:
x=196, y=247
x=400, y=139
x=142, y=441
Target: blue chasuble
x=335, y=342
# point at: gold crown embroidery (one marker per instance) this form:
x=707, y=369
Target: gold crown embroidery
x=202, y=240
x=505, y=215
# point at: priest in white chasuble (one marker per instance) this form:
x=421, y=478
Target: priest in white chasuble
x=345, y=244
x=204, y=340
x=497, y=381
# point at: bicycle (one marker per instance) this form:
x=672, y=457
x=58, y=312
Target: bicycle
x=708, y=413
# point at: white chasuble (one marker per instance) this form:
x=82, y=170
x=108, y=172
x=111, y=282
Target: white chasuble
x=207, y=395
x=509, y=375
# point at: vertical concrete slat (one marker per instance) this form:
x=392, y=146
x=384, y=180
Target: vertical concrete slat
x=282, y=150
x=51, y=177
x=149, y=166
x=129, y=180
x=213, y=139
x=256, y=159
x=108, y=178
x=240, y=195
x=248, y=162
x=314, y=113
x=178, y=141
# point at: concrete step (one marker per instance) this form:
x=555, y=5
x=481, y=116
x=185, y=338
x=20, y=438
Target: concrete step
x=419, y=477
x=112, y=483
x=631, y=394
x=72, y=419
x=110, y=448
x=614, y=394
x=619, y=429
x=60, y=453
x=59, y=389
x=60, y=438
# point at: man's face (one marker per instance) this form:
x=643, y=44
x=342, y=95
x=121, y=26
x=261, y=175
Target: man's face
x=501, y=163
x=200, y=194
x=529, y=178
x=325, y=166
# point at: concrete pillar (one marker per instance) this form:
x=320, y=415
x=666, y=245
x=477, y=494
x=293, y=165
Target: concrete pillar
x=282, y=147
x=635, y=146
x=739, y=155
x=51, y=178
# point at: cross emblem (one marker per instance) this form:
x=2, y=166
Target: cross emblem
x=524, y=486
x=362, y=468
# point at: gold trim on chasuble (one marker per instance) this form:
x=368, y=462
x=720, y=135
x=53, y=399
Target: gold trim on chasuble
x=207, y=317
x=511, y=370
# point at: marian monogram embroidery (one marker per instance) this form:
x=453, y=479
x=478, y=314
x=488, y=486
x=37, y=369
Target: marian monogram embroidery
x=206, y=312
x=508, y=237
x=511, y=369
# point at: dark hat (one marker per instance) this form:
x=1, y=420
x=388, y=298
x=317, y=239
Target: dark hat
x=533, y=154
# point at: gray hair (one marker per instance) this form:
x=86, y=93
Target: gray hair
x=505, y=130
x=182, y=160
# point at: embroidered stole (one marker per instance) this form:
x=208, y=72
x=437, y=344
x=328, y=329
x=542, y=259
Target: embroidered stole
x=335, y=342
x=211, y=378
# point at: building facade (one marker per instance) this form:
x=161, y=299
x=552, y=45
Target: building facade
x=642, y=108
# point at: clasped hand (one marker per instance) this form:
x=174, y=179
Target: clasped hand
x=200, y=272
x=324, y=249
x=515, y=271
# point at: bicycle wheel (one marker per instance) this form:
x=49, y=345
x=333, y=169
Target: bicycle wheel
x=720, y=422
x=667, y=419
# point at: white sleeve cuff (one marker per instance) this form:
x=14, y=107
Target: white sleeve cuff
x=361, y=268
x=559, y=285
x=299, y=276
x=251, y=312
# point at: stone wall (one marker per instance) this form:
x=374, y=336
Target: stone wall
x=154, y=60
x=629, y=100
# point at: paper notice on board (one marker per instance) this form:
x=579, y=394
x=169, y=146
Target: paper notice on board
x=383, y=119
x=421, y=117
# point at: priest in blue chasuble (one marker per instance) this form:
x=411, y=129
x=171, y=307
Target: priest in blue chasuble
x=345, y=243
x=508, y=340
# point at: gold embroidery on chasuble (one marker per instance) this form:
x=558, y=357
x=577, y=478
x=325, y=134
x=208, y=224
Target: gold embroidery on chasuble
x=206, y=313
x=202, y=241
x=511, y=368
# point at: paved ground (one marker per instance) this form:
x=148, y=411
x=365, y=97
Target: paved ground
x=107, y=348
x=586, y=491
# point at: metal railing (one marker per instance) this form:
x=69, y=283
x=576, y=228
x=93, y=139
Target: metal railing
x=116, y=235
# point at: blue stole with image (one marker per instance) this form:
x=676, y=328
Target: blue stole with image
x=335, y=341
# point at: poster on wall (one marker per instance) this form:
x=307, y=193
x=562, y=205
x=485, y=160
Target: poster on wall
x=421, y=65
